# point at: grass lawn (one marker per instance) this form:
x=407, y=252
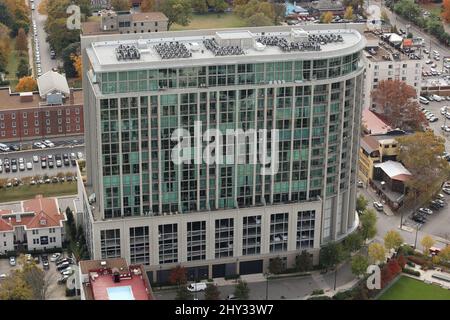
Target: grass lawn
x=432, y=7
x=13, y=62
x=411, y=289
x=29, y=192
x=212, y=21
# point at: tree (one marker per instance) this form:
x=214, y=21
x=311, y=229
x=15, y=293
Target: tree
x=42, y=7
x=446, y=10
x=330, y=255
x=66, y=55
x=77, y=64
x=36, y=279
x=22, y=69
x=279, y=12
x=427, y=242
x=183, y=294
x=392, y=240
x=26, y=84
x=348, y=14
x=177, y=11
x=220, y=5
x=199, y=6
x=359, y=265
x=401, y=261
x=120, y=5
x=396, y=102
x=212, y=292
x=444, y=254
x=361, y=203
x=276, y=265
x=353, y=242
x=368, y=222
x=326, y=17
x=428, y=171
x=394, y=267
x=22, y=41
x=241, y=290
x=377, y=253
x=14, y=287
x=147, y=5
x=178, y=276
x=303, y=262
x=259, y=20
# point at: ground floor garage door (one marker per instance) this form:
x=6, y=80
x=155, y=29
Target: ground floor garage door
x=250, y=267
x=223, y=270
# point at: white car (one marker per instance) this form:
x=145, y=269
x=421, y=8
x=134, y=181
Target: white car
x=35, y=158
x=378, y=206
x=55, y=257
x=444, y=109
x=445, y=128
x=12, y=261
x=3, y=276
x=437, y=98
x=196, y=287
x=446, y=190
x=39, y=145
x=48, y=143
x=29, y=166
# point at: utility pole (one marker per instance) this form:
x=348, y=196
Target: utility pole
x=417, y=231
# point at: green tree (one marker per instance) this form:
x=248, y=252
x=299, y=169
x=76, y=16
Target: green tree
x=276, y=265
x=377, y=252
x=36, y=279
x=120, y=5
x=212, y=292
x=22, y=69
x=72, y=231
x=220, y=5
x=392, y=240
x=361, y=203
x=259, y=20
x=199, y=6
x=241, y=290
x=368, y=222
x=14, y=287
x=183, y=293
x=303, y=262
x=66, y=55
x=353, y=242
x=177, y=11
x=359, y=265
x=330, y=255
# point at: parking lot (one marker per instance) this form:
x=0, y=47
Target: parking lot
x=55, y=291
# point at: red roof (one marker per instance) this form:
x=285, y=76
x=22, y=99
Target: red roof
x=373, y=123
x=36, y=213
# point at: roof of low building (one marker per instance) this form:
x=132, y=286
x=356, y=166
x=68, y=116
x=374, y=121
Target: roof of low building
x=149, y=16
x=395, y=170
x=373, y=123
x=369, y=144
x=90, y=265
x=52, y=81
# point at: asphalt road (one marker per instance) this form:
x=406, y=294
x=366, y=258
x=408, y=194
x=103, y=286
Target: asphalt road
x=44, y=48
x=58, y=141
x=37, y=170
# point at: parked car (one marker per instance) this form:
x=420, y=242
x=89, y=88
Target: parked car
x=48, y=143
x=55, y=257
x=425, y=211
x=63, y=266
x=12, y=261
x=378, y=205
x=196, y=287
x=63, y=279
x=35, y=158
x=45, y=265
x=39, y=145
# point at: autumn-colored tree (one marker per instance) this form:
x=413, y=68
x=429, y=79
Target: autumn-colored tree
x=120, y=5
x=446, y=10
x=147, y=5
x=326, y=17
x=77, y=64
x=444, y=254
x=394, y=267
x=386, y=276
x=385, y=17
x=427, y=170
x=392, y=240
x=377, y=253
x=178, y=275
x=26, y=84
x=395, y=101
x=14, y=287
x=22, y=41
x=401, y=260
x=42, y=7
x=348, y=14
x=427, y=242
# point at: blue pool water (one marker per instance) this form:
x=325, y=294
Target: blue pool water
x=120, y=293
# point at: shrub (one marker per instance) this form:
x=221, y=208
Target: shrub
x=320, y=298
x=232, y=277
x=411, y=272
x=344, y=295
x=317, y=292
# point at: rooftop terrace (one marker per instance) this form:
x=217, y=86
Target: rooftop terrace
x=210, y=47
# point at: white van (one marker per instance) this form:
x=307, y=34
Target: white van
x=437, y=98
x=195, y=287
x=423, y=100
x=4, y=147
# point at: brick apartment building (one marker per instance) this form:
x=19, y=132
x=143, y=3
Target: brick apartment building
x=54, y=111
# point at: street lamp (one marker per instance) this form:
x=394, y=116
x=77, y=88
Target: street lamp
x=335, y=277
x=415, y=240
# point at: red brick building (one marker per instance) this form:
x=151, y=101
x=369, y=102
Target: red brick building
x=29, y=117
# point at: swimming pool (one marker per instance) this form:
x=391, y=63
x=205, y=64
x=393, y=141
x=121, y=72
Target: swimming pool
x=120, y=293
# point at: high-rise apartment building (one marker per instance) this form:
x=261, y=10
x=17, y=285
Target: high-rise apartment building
x=224, y=217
